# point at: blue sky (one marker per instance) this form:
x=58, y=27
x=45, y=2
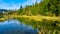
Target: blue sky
x=15, y=4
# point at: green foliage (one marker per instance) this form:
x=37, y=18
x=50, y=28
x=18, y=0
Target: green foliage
x=45, y=7
x=51, y=6
x=20, y=10
x=10, y=13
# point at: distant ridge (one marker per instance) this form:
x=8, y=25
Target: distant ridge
x=3, y=10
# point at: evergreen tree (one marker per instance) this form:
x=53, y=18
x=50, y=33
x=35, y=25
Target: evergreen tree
x=21, y=9
x=52, y=6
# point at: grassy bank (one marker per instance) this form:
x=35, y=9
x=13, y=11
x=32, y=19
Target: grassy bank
x=37, y=18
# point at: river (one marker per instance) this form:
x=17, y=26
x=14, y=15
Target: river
x=13, y=26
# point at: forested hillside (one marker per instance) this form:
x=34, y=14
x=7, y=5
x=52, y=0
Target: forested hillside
x=45, y=7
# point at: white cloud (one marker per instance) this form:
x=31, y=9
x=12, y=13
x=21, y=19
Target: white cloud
x=4, y=5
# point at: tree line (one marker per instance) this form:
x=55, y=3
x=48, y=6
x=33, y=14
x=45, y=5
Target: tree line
x=45, y=7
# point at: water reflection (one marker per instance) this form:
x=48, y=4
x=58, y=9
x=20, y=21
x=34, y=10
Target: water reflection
x=14, y=27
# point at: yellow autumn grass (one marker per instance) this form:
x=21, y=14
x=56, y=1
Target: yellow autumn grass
x=36, y=18
x=41, y=17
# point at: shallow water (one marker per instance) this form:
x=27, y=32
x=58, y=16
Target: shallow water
x=15, y=27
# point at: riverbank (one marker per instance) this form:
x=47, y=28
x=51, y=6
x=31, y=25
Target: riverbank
x=36, y=18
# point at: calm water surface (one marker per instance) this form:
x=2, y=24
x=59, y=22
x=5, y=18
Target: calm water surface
x=15, y=27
